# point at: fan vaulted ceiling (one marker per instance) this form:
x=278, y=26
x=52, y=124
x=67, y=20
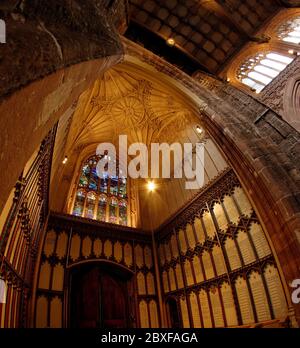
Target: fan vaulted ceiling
x=126, y=103
x=207, y=32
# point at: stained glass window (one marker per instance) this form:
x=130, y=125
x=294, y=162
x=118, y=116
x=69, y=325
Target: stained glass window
x=79, y=203
x=290, y=31
x=258, y=71
x=123, y=213
x=90, y=205
x=102, y=198
x=113, y=210
x=101, y=211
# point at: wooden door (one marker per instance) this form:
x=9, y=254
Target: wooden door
x=99, y=299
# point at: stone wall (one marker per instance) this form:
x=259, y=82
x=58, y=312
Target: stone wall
x=283, y=94
x=54, y=51
x=45, y=36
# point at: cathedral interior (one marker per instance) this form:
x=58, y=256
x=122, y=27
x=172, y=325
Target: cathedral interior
x=84, y=250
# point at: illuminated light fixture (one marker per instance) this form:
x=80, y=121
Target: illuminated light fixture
x=228, y=79
x=65, y=160
x=291, y=51
x=170, y=42
x=199, y=130
x=151, y=186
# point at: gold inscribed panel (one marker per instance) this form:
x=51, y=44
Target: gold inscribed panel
x=118, y=250
x=128, y=255
x=56, y=313
x=75, y=247
x=86, y=247
x=244, y=301
x=182, y=242
x=209, y=225
x=58, y=278
x=276, y=292
x=229, y=306
x=199, y=231
x=62, y=244
x=108, y=248
x=259, y=296
x=98, y=247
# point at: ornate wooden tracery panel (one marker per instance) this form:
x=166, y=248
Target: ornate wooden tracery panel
x=22, y=232
x=230, y=276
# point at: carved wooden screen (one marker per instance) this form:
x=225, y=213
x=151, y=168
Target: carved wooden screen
x=216, y=261
x=21, y=235
x=71, y=241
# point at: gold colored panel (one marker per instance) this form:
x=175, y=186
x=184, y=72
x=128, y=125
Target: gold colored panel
x=56, y=313
x=259, y=240
x=189, y=273
x=141, y=284
x=244, y=301
x=167, y=252
x=153, y=315
x=190, y=236
x=243, y=201
x=276, y=292
x=245, y=247
x=62, y=244
x=86, y=247
x=209, y=225
x=219, y=260
x=41, y=312
x=208, y=267
x=148, y=257
x=58, y=278
x=220, y=216
x=165, y=282
x=75, y=247
x=216, y=308
x=205, y=309
x=139, y=257
x=232, y=254
x=118, y=251
x=150, y=284
x=231, y=210
x=50, y=243
x=182, y=242
x=199, y=231
x=230, y=312
x=144, y=315
x=172, y=279
x=161, y=254
x=174, y=246
x=179, y=277
x=198, y=269
x=184, y=313
x=108, y=249
x=259, y=296
x=195, y=311
x=45, y=273
x=98, y=247
x=128, y=255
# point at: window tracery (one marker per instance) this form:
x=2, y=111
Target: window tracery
x=101, y=198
